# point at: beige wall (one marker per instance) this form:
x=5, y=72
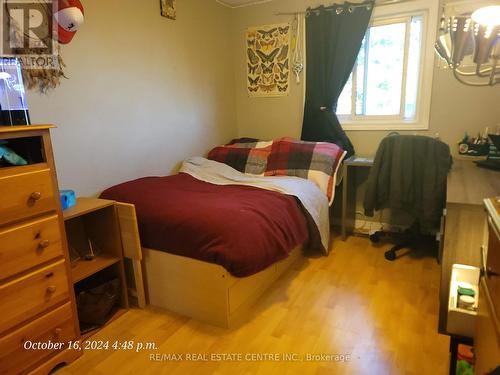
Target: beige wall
x=144, y=92
x=455, y=108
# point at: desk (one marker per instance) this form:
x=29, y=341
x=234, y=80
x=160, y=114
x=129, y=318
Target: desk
x=352, y=162
x=464, y=224
x=469, y=184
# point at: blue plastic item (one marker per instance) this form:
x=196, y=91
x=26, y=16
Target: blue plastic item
x=68, y=198
x=11, y=156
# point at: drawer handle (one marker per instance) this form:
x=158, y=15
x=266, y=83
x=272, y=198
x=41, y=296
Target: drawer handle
x=490, y=272
x=51, y=289
x=43, y=244
x=57, y=332
x=36, y=196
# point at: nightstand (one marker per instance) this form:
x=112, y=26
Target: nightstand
x=93, y=223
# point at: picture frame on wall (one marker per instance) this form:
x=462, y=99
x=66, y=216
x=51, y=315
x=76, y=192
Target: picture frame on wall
x=169, y=9
x=268, y=60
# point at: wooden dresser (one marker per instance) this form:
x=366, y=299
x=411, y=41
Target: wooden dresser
x=487, y=338
x=36, y=297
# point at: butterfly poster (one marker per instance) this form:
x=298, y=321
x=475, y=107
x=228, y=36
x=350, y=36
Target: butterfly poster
x=268, y=60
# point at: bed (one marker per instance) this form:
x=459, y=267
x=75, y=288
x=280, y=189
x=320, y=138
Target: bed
x=213, y=239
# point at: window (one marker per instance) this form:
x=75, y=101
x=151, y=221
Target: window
x=390, y=85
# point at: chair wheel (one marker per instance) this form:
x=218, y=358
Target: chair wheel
x=390, y=255
x=375, y=238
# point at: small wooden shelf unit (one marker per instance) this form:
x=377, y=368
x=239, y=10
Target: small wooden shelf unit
x=97, y=220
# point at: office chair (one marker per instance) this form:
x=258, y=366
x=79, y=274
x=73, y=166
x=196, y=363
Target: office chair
x=409, y=174
x=410, y=238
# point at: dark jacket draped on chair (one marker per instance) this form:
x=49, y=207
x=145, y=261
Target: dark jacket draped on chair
x=409, y=173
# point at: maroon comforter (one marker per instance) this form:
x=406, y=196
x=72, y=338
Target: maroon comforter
x=241, y=228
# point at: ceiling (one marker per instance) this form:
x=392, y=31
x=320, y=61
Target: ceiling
x=453, y=7
x=240, y=3
x=458, y=4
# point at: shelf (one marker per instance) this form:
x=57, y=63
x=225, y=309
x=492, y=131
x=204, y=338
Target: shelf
x=24, y=128
x=86, y=205
x=119, y=312
x=85, y=268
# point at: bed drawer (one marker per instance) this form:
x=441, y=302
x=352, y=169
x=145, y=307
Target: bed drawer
x=30, y=244
x=31, y=294
x=56, y=327
x=25, y=193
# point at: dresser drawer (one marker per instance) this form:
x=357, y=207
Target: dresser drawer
x=27, y=245
x=16, y=354
x=31, y=294
x=25, y=193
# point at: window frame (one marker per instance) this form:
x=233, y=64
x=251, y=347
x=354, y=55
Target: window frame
x=388, y=15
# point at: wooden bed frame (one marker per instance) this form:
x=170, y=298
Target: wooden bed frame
x=200, y=290
x=206, y=291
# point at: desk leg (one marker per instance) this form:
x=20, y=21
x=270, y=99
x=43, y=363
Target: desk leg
x=345, y=183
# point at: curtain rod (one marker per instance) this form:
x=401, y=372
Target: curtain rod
x=379, y=4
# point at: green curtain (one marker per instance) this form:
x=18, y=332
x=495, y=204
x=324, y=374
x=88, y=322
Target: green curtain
x=333, y=39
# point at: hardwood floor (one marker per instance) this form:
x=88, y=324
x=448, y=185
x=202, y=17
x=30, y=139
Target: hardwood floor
x=354, y=302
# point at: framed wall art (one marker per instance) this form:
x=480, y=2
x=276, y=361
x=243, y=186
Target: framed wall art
x=169, y=9
x=268, y=60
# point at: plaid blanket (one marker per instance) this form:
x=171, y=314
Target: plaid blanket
x=315, y=161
